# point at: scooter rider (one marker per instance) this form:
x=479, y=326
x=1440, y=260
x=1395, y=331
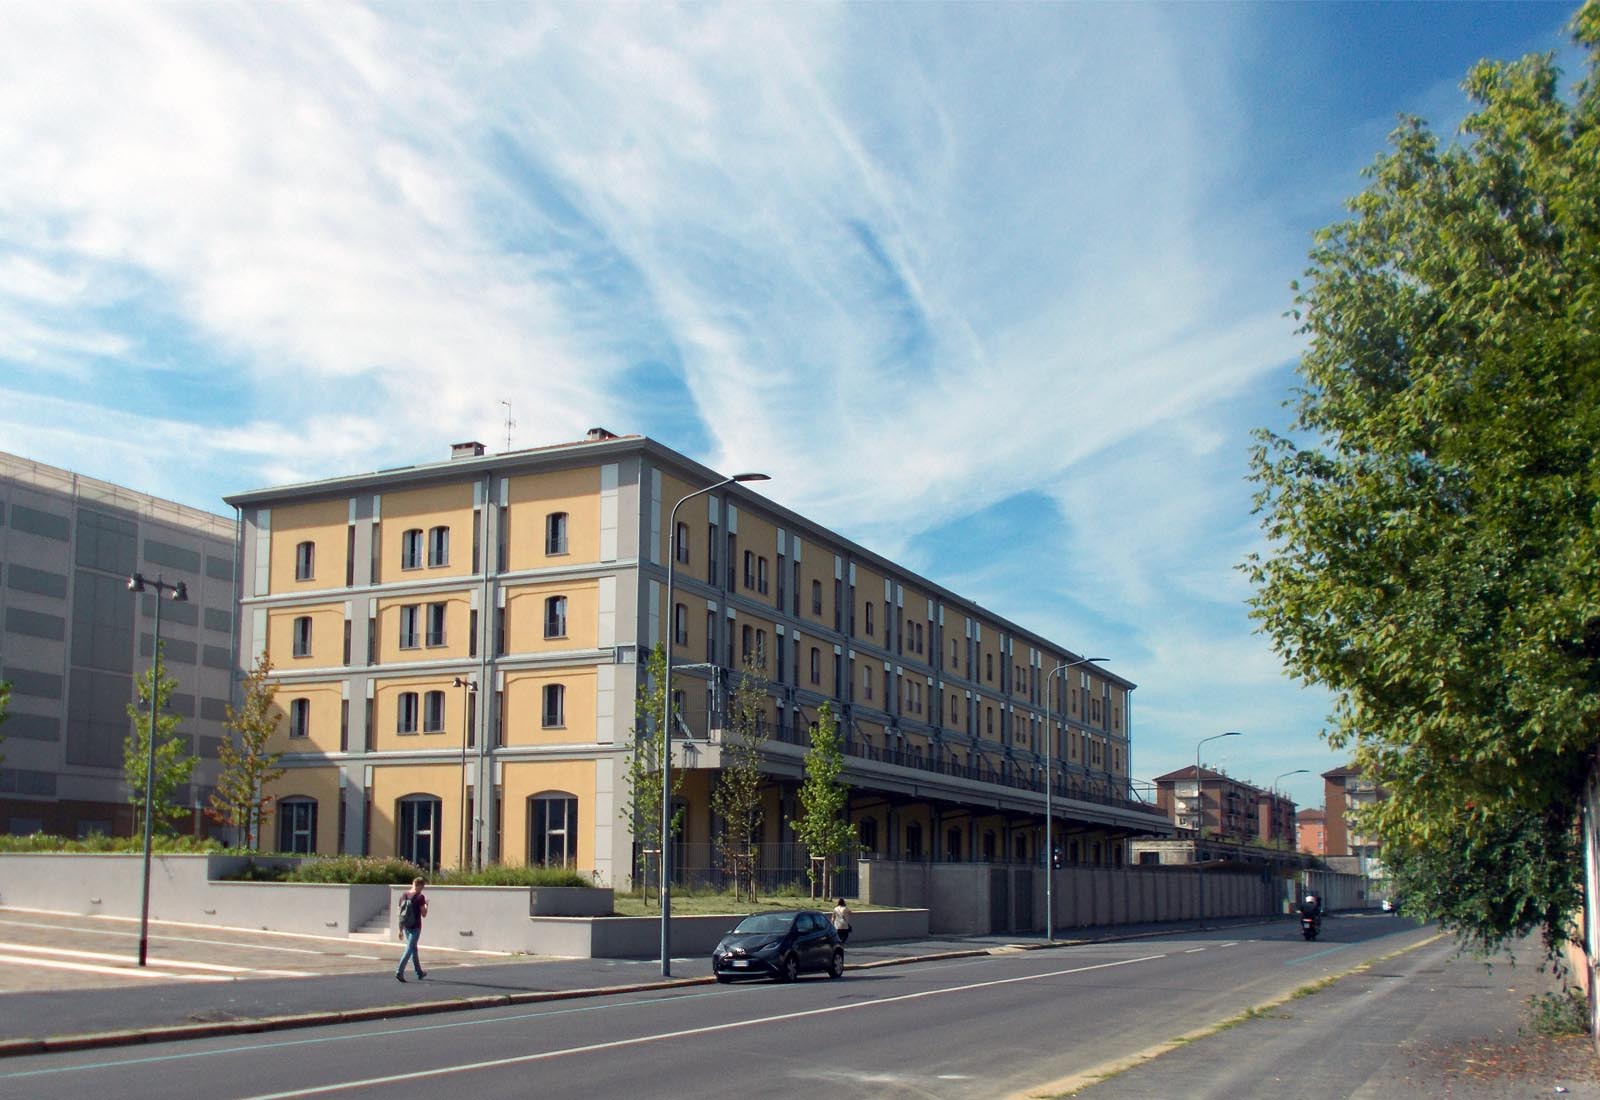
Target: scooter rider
x=1311, y=906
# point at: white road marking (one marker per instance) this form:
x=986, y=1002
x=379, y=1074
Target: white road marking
x=173, y=939
x=592, y=1048
x=1235, y=943
x=125, y=971
x=1194, y=951
x=32, y=949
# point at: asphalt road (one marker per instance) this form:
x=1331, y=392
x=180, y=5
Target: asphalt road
x=962, y=1029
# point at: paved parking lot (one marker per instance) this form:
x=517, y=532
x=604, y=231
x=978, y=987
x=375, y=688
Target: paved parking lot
x=49, y=951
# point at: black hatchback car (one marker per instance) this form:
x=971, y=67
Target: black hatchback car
x=781, y=946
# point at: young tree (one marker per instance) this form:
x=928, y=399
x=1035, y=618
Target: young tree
x=1431, y=510
x=247, y=767
x=736, y=798
x=173, y=763
x=641, y=806
x=822, y=827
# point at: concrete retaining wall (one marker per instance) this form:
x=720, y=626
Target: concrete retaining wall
x=980, y=899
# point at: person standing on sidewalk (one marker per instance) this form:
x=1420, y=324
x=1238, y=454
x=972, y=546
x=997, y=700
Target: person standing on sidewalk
x=841, y=920
x=413, y=907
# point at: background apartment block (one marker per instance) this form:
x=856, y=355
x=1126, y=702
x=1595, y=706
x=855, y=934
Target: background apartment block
x=458, y=648
x=1226, y=808
x=73, y=639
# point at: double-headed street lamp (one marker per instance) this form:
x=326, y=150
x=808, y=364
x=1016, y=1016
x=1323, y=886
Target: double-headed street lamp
x=1297, y=771
x=180, y=594
x=1049, y=806
x=466, y=708
x=666, y=719
x=1200, y=816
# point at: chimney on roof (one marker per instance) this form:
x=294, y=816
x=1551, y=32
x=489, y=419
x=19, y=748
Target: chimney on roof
x=597, y=434
x=465, y=450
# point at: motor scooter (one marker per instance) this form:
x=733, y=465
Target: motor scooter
x=1310, y=925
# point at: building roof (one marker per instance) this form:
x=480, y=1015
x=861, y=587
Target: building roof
x=1311, y=817
x=1342, y=771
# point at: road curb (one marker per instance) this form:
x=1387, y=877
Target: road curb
x=212, y=1029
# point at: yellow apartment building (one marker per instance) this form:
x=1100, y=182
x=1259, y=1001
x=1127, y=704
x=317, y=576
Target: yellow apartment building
x=457, y=649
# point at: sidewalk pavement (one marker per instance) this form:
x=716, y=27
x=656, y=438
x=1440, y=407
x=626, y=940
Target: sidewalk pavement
x=56, y=1020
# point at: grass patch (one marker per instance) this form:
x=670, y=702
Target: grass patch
x=707, y=902
x=1557, y=1015
x=101, y=844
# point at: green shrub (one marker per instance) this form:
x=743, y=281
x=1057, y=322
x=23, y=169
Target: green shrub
x=1557, y=1014
x=514, y=876
x=364, y=870
x=255, y=872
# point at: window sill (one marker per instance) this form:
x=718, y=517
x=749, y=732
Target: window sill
x=559, y=726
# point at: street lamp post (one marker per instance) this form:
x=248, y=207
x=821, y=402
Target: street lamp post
x=466, y=707
x=1049, y=805
x=666, y=720
x=1297, y=771
x=1200, y=813
x=180, y=594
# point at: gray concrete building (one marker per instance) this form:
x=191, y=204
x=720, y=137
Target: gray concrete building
x=74, y=639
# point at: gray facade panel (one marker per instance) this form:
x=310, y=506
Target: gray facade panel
x=102, y=622
x=107, y=542
x=97, y=718
x=45, y=524
x=39, y=685
x=35, y=624
x=32, y=727
x=39, y=582
x=173, y=557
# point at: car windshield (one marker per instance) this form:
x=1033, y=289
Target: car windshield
x=765, y=922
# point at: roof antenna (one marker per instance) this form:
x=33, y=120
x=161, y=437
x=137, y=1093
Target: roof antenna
x=509, y=423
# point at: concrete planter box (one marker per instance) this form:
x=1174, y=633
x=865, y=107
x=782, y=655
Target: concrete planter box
x=496, y=918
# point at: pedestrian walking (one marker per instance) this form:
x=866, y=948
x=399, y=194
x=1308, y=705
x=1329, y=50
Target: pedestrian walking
x=841, y=920
x=413, y=907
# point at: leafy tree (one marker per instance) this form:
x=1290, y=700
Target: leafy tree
x=173, y=762
x=641, y=806
x=247, y=767
x=822, y=827
x=1431, y=511
x=736, y=798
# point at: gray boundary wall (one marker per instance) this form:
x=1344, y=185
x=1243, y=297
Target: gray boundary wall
x=980, y=899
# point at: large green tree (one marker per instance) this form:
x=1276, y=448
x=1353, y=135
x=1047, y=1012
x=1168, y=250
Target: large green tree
x=736, y=797
x=641, y=803
x=822, y=825
x=1433, y=510
x=247, y=767
x=173, y=761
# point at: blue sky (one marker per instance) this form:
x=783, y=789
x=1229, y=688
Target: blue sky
x=997, y=290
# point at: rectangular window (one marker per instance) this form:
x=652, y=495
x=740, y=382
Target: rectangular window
x=680, y=624
x=439, y=546
x=555, y=533
x=297, y=826
x=299, y=717
x=816, y=597
x=761, y=575
x=816, y=669
x=554, y=711
x=405, y=714
x=681, y=547
x=410, y=626
x=411, y=549
x=302, y=636
x=711, y=636
x=733, y=560
x=750, y=569
x=305, y=561
x=436, y=623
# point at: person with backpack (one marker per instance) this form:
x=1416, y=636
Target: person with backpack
x=413, y=907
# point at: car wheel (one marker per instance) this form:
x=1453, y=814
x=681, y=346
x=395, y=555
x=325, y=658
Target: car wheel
x=836, y=964
x=788, y=969
x=724, y=979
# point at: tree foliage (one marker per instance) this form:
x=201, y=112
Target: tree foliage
x=641, y=805
x=822, y=826
x=173, y=761
x=736, y=797
x=1432, y=509
x=246, y=766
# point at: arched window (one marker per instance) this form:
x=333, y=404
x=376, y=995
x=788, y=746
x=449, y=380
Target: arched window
x=305, y=561
x=555, y=617
x=405, y=712
x=553, y=715
x=438, y=546
x=555, y=533
x=417, y=825
x=411, y=549
x=553, y=829
x=433, y=712
x=297, y=825
x=299, y=719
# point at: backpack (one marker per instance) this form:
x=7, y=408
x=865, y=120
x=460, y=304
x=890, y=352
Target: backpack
x=408, y=912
